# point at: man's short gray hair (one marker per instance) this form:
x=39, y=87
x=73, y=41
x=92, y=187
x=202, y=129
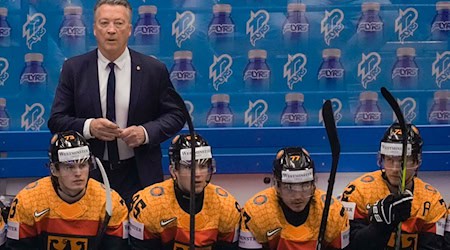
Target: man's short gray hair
x=124, y=3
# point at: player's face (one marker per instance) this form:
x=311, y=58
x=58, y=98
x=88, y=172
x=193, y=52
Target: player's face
x=72, y=177
x=112, y=28
x=183, y=175
x=393, y=169
x=296, y=196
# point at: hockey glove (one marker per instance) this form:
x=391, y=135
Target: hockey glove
x=391, y=210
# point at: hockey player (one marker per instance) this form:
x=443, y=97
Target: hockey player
x=288, y=215
x=66, y=209
x=447, y=231
x=159, y=216
x=2, y=233
x=376, y=205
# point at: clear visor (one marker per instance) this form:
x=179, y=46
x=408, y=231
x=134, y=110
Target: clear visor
x=66, y=168
x=395, y=163
x=201, y=168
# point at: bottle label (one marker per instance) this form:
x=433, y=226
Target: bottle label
x=182, y=75
x=33, y=78
x=440, y=26
x=441, y=68
x=331, y=73
x=219, y=119
x=147, y=30
x=183, y=27
x=405, y=72
x=33, y=29
x=370, y=27
x=220, y=70
x=296, y=28
x=368, y=68
x=5, y=31
x=439, y=116
x=331, y=25
x=72, y=31
x=406, y=24
x=257, y=25
x=4, y=123
x=294, y=118
x=259, y=74
x=363, y=117
x=294, y=70
x=221, y=29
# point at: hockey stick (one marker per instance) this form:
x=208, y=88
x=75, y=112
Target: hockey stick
x=330, y=126
x=401, y=120
x=108, y=206
x=181, y=103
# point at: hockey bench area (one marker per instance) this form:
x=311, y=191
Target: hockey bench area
x=248, y=150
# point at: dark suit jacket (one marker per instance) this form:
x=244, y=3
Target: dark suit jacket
x=77, y=98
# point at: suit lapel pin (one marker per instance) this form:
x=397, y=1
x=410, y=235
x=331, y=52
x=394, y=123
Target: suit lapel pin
x=138, y=68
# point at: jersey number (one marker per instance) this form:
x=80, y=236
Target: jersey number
x=137, y=205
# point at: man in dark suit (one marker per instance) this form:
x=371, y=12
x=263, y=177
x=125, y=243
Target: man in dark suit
x=120, y=100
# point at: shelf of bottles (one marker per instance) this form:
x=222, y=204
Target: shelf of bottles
x=253, y=63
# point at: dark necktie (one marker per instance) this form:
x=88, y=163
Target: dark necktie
x=113, y=151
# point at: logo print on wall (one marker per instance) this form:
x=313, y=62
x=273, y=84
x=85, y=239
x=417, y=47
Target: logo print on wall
x=368, y=68
x=331, y=25
x=183, y=27
x=220, y=70
x=33, y=29
x=32, y=117
x=405, y=24
x=441, y=68
x=255, y=115
x=408, y=107
x=257, y=25
x=294, y=69
x=4, y=65
x=337, y=107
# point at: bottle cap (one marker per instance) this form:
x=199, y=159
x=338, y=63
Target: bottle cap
x=442, y=94
x=257, y=53
x=222, y=8
x=368, y=95
x=147, y=9
x=296, y=7
x=73, y=10
x=3, y=12
x=406, y=51
x=331, y=53
x=443, y=5
x=220, y=98
x=34, y=57
x=370, y=6
x=182, y=54
x=294, y=97
x=2, y=102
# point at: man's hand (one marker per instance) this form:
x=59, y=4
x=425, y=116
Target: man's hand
x=392, y=210
x=105, y=130
x=133, y=136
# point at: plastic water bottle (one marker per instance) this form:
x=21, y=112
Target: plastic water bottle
x=220, y=114
x=4, y=116
x=405, y=73
x=5, y=28
x=368, y=111
x=34, y=75
x=370, y=25
x=440, y=111
x=331, y=72
x=182, y=73
x=257, y=72
x=221, y=27
x=72, y=33
x=294, y=114
x=147, y=29
x=296, y=25
x=440, y=26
